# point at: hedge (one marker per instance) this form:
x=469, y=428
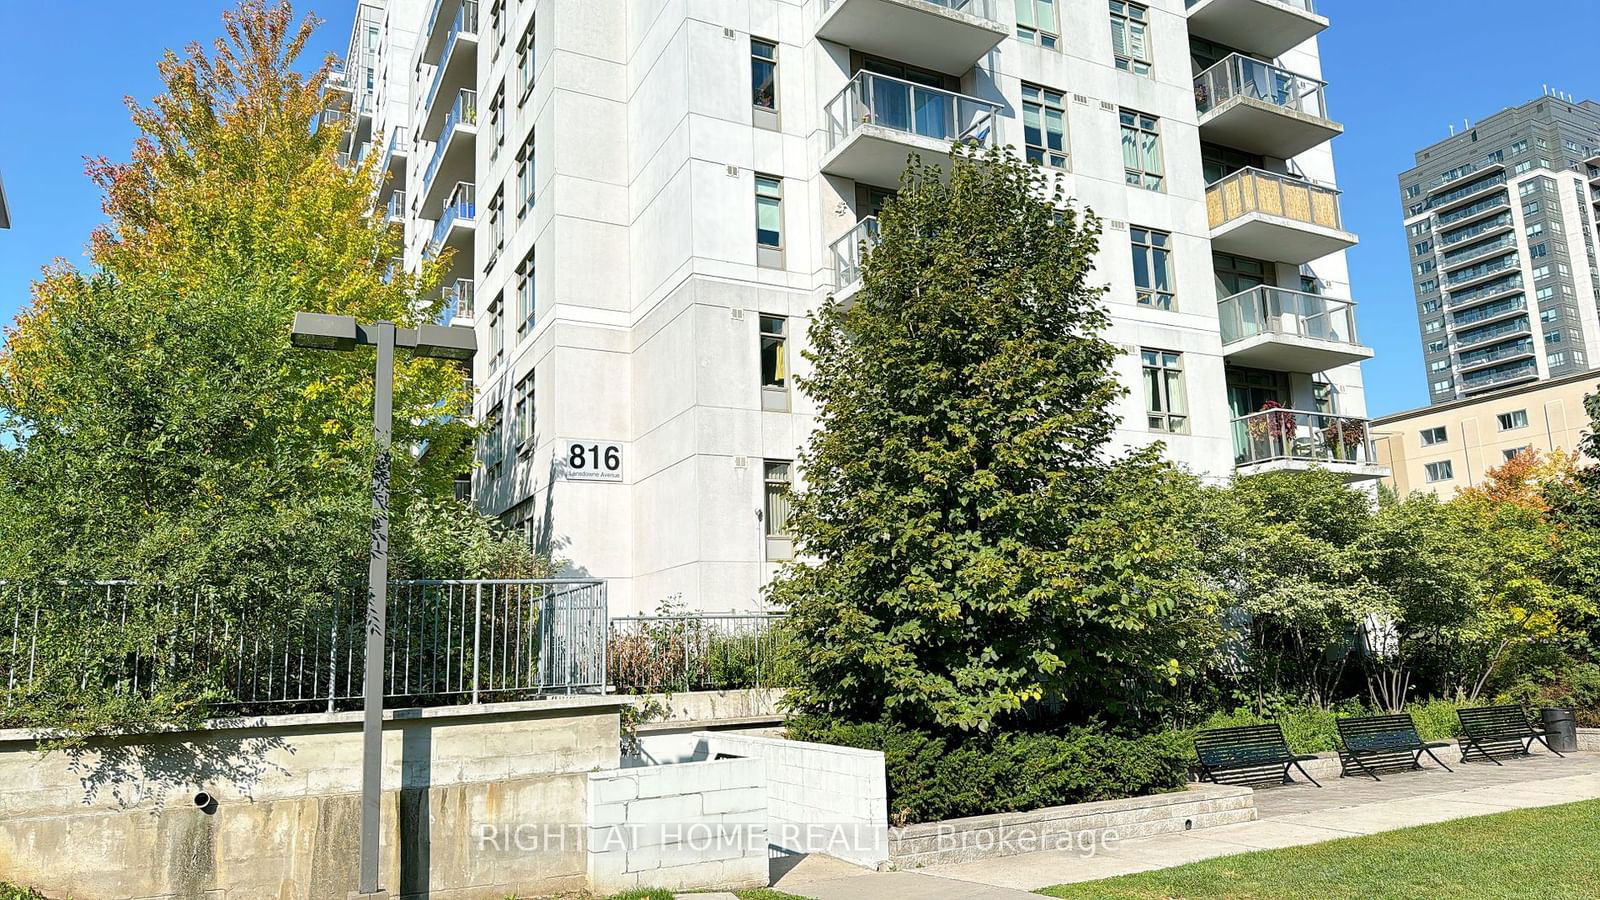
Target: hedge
x=933, y=777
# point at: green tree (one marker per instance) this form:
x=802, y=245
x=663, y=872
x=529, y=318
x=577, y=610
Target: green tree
x=158, y=425
x=975, y=556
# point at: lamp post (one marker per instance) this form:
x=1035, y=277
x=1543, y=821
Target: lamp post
x=315, y=331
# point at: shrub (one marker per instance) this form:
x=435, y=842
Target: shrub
x=933, y=777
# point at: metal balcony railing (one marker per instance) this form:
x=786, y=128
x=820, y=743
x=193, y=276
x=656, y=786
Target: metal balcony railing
x=461, y=207
x=396, y=209
x=1271, y=310
x=1242, y=76
x=847, y=252
x=1257, y=191
x=900, y=105
x=983, y=9
x=463, y=112
x=466, y=22
x=1295, y=435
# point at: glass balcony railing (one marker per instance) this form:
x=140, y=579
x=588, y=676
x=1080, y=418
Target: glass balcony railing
x=395, y=211
x=1270, y=310
x=1451, y=238
x=1490, y=311
x=1473, y=251
x=1302, y=5
x=466, y=22
x=1481, y=206
x=458, y=301
x=1294, y=435
x=1241, y=76
x=1477, y=381
x=461, y=207
x=983, y=9
x=1467, y=190
x=847, y=252
x=463, y=112
x=395, y=145
x=1495, y=354
x=1487, y=267
x=1487, y=289
x=899, y=105
x=1257, y=191
x=1478, y=336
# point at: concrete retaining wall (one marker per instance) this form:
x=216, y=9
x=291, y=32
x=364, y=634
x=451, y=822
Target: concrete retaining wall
x=694, y=825
x=1083, y=828
x=116, y=819
x=820, y=798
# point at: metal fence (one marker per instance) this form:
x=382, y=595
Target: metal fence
x=698, y=651
x=448, y=642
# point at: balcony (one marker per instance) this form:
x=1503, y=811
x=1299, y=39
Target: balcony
x=944, y=35
x=847, y=253
x=1260, y=108
x=1518, y=327
x=1289, y=331
x=393, y=162
x=436, y=30
x=1276, y=440
x=457, y=221
x=1495, y=225
x=339, y=80
x=1483, y=292
x=395, y=210
x=877, y=121
x=458, y=302
x=456, y=67
x=1499, y=377
x=1489, y=313
x=1264, y=215
x=1267, y=27
x=1457, y=195
x=1478, y=359
x=452, y=159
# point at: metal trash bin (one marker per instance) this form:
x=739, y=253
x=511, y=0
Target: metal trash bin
x=1562, y=727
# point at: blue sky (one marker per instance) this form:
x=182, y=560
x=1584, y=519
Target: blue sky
x=1399, y=72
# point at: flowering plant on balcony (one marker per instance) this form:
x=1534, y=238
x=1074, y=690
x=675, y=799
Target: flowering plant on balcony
x=1345, y=436
x=1278, y=422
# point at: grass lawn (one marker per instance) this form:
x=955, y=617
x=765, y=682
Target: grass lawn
x=1511, y=854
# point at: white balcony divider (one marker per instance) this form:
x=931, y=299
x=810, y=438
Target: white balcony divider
x=899, y=105
x=1271, y=310
x=1242, y=76
x=847, y=252
x=1294, y=435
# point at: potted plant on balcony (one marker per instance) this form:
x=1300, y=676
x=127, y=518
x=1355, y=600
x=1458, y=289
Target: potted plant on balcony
x=1345, y=437
x=1277, y=423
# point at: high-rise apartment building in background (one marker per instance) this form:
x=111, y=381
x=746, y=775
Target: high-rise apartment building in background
x=5, y=211
x=646, y=202
x=1500, y=220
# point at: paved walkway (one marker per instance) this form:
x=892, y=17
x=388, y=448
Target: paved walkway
x=1289, y=816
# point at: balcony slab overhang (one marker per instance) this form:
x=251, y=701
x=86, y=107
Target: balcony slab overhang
x=1293, y=353
x=455, y=164
x=878, y=155
x=1262, y=236
x=1259, y=126
x=1351, y=472
x=914, y=31
x=1265, y=27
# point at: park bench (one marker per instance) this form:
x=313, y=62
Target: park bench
x=1248, y=754
x=1499, y=729
x=1383, y=742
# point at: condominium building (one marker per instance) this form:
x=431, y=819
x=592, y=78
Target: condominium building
x=1449, y=446
x=646, y=202
x=5, y=211
x=1500, y=222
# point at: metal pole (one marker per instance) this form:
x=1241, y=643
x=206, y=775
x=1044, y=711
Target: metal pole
x=377, y=600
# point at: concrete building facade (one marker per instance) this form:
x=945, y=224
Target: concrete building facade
x=1448, y=446
x=647, y=200
x=1500, y=222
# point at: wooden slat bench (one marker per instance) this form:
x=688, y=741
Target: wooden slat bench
x=1488, y=730
x=1369, y=743
x=1248, y=754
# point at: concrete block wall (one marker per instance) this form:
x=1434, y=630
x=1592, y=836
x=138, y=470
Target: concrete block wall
x=694, y=825
x=820, y=798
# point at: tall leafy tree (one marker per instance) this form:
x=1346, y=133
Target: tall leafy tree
x=975, y=555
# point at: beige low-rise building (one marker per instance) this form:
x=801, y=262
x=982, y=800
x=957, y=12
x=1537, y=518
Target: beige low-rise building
x=1448, y=446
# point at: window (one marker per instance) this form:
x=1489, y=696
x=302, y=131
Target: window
x=1556, y=359
x=1541, y=273
x=763, y=74
x=1426, y=266
x=1515, y=452
x=1044, y=126
x=1432, y=436
x=372, y=37
x=1538, y=251
x=497, y=120
x=1521, y=167
x=525, y=177
x=1519, y=147
x=1534, y=230
x=769, y=220
x=497, y=222
x=1445, y=385
x=497, y=333
x=1420, y=228
x=1423, y=248
x=525, y=295
x=493, y=444
x=1130, y=36
x=497, y=25
x=523, y=414
x=778, y=476
x=1552, y=337
x=1413, y=191
x=1439, y=365
x=1036, y=22
x=1166, y=405
x=1141, y=150
x=525, y=63
x=1544, y=293
x=1433, y=327
x=1152, y=267
x=1531, y=207
x=1432, y=306
x=1511, y=421
x=1440, y=471
x=1428, y=286
x=774, y=363
x=1436, y=347
x=1549, y=315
